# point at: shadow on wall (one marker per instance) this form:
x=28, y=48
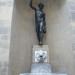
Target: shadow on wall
x=59, y=3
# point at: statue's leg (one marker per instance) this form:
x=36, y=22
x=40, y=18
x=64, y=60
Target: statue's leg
x=41, y=38
x=39, y=34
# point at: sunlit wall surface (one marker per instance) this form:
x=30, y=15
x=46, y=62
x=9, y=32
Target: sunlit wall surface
x=72, y=11
x=6, y=7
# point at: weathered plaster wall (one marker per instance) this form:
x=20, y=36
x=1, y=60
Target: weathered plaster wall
x=23, y=37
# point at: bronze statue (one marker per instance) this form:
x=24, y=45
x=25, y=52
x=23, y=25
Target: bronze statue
x=39, y=21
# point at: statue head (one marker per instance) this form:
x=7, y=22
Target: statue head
x=41, y=6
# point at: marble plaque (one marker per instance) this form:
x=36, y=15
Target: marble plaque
x=40, y=54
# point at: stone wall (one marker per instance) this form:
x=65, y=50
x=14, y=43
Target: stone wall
x=5, y=28
x=3, y=68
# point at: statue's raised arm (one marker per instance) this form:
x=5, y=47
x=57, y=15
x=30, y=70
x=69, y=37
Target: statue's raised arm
x=31, y=5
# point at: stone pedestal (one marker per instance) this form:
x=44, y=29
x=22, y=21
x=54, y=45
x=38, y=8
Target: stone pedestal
x=41, y=67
